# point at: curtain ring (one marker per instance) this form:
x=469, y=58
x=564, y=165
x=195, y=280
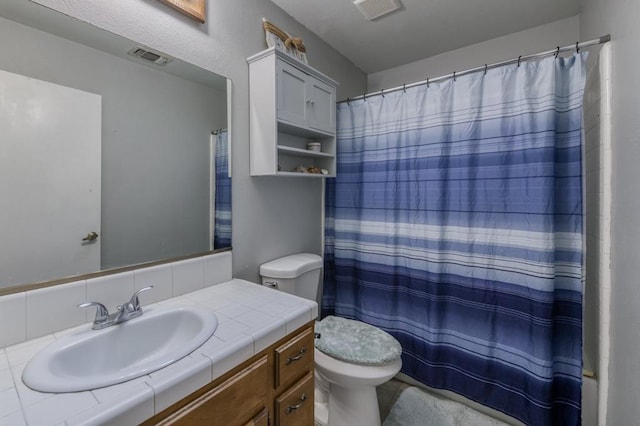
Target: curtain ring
x=454, y=76
x=348, y=101
x=364, y=96
x=427, y=81
x=404, y=88
x=519, y=58
x=382, y=92
x=577, y=47
x=485, y=69
x=557, y=51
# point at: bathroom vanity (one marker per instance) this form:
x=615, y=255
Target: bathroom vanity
x=256, y=369
x=275, y=384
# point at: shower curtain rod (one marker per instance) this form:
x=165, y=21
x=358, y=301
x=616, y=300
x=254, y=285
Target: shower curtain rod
x=454, y=75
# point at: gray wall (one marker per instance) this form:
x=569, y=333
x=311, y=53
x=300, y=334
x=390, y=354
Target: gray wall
x=271, y=216
x=620, y=18
x=533, y=40
x=155, y=143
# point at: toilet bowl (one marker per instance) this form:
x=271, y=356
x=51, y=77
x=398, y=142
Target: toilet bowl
x=351, y=357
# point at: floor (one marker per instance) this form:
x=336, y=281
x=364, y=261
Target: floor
x=405, y=405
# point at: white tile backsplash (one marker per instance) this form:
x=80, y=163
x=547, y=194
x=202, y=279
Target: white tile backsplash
x=55, y=308
x=188, y=276
x=110, y=290
x=217, y=269
x=160, y=277
x=13, y=319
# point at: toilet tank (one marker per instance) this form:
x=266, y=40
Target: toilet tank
x=297, y=274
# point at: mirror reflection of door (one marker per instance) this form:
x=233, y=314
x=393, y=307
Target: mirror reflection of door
x=50, y=140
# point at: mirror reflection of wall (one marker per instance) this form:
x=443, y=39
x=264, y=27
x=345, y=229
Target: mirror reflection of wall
x=155, y=146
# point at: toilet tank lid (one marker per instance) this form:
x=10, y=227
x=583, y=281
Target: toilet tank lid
x=291, y=266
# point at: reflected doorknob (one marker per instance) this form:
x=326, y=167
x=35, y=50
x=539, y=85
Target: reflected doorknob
x=91, y=236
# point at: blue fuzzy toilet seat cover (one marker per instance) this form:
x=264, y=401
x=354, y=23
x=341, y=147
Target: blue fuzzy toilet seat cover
x=356, y=342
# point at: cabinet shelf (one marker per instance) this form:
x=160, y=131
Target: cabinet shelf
x=297, y=130
x=303, y=152
x=307, y=175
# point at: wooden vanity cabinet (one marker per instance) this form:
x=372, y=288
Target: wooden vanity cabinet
x=274, y=387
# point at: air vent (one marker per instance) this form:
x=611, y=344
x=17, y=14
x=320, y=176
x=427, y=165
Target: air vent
x=149, y=56
x=374, y=9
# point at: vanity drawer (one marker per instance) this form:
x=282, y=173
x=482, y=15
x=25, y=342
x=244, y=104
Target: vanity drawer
x=294, y=358
x=295, y=406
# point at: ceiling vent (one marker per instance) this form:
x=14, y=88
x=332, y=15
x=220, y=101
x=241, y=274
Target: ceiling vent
x=149, y=56
x=373, y=9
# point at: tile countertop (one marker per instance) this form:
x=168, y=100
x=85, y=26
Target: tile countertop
x=251, y=318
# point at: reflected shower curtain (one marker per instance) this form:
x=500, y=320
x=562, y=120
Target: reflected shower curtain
x=222, y=208
x=455, y=224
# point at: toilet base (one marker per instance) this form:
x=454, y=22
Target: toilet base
x=353, y=406
x=321, y=414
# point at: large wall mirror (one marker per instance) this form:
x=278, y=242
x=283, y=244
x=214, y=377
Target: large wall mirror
x=111, y=154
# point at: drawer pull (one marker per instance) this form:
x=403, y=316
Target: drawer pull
x=297, y=357
x=290, y=409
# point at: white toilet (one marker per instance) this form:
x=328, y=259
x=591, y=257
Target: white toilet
x=351, y=357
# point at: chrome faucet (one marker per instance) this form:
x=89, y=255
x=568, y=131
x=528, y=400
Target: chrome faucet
x=127, y=311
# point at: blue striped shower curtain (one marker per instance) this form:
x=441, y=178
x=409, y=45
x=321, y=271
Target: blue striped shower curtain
x=455, y=223
x=222, y=207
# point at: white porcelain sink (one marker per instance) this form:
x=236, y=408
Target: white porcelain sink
x=95, y=358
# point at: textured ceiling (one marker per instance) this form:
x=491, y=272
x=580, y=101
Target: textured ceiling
x=421, y=28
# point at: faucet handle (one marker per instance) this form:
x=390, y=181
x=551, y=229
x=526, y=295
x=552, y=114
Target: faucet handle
x=102, y=313
x=135, y=302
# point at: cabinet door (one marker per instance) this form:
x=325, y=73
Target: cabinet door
x=321, y=106
x=262, y=419
x=291, y=94
x=233, y=403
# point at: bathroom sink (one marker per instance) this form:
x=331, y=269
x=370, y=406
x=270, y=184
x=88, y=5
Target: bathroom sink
x=95, y=358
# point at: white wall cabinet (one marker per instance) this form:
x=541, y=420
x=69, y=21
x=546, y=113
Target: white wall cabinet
x=291, y=104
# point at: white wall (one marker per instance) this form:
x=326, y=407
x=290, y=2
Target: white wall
x=620, y=19
x=538, y=39
x=271, y=216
